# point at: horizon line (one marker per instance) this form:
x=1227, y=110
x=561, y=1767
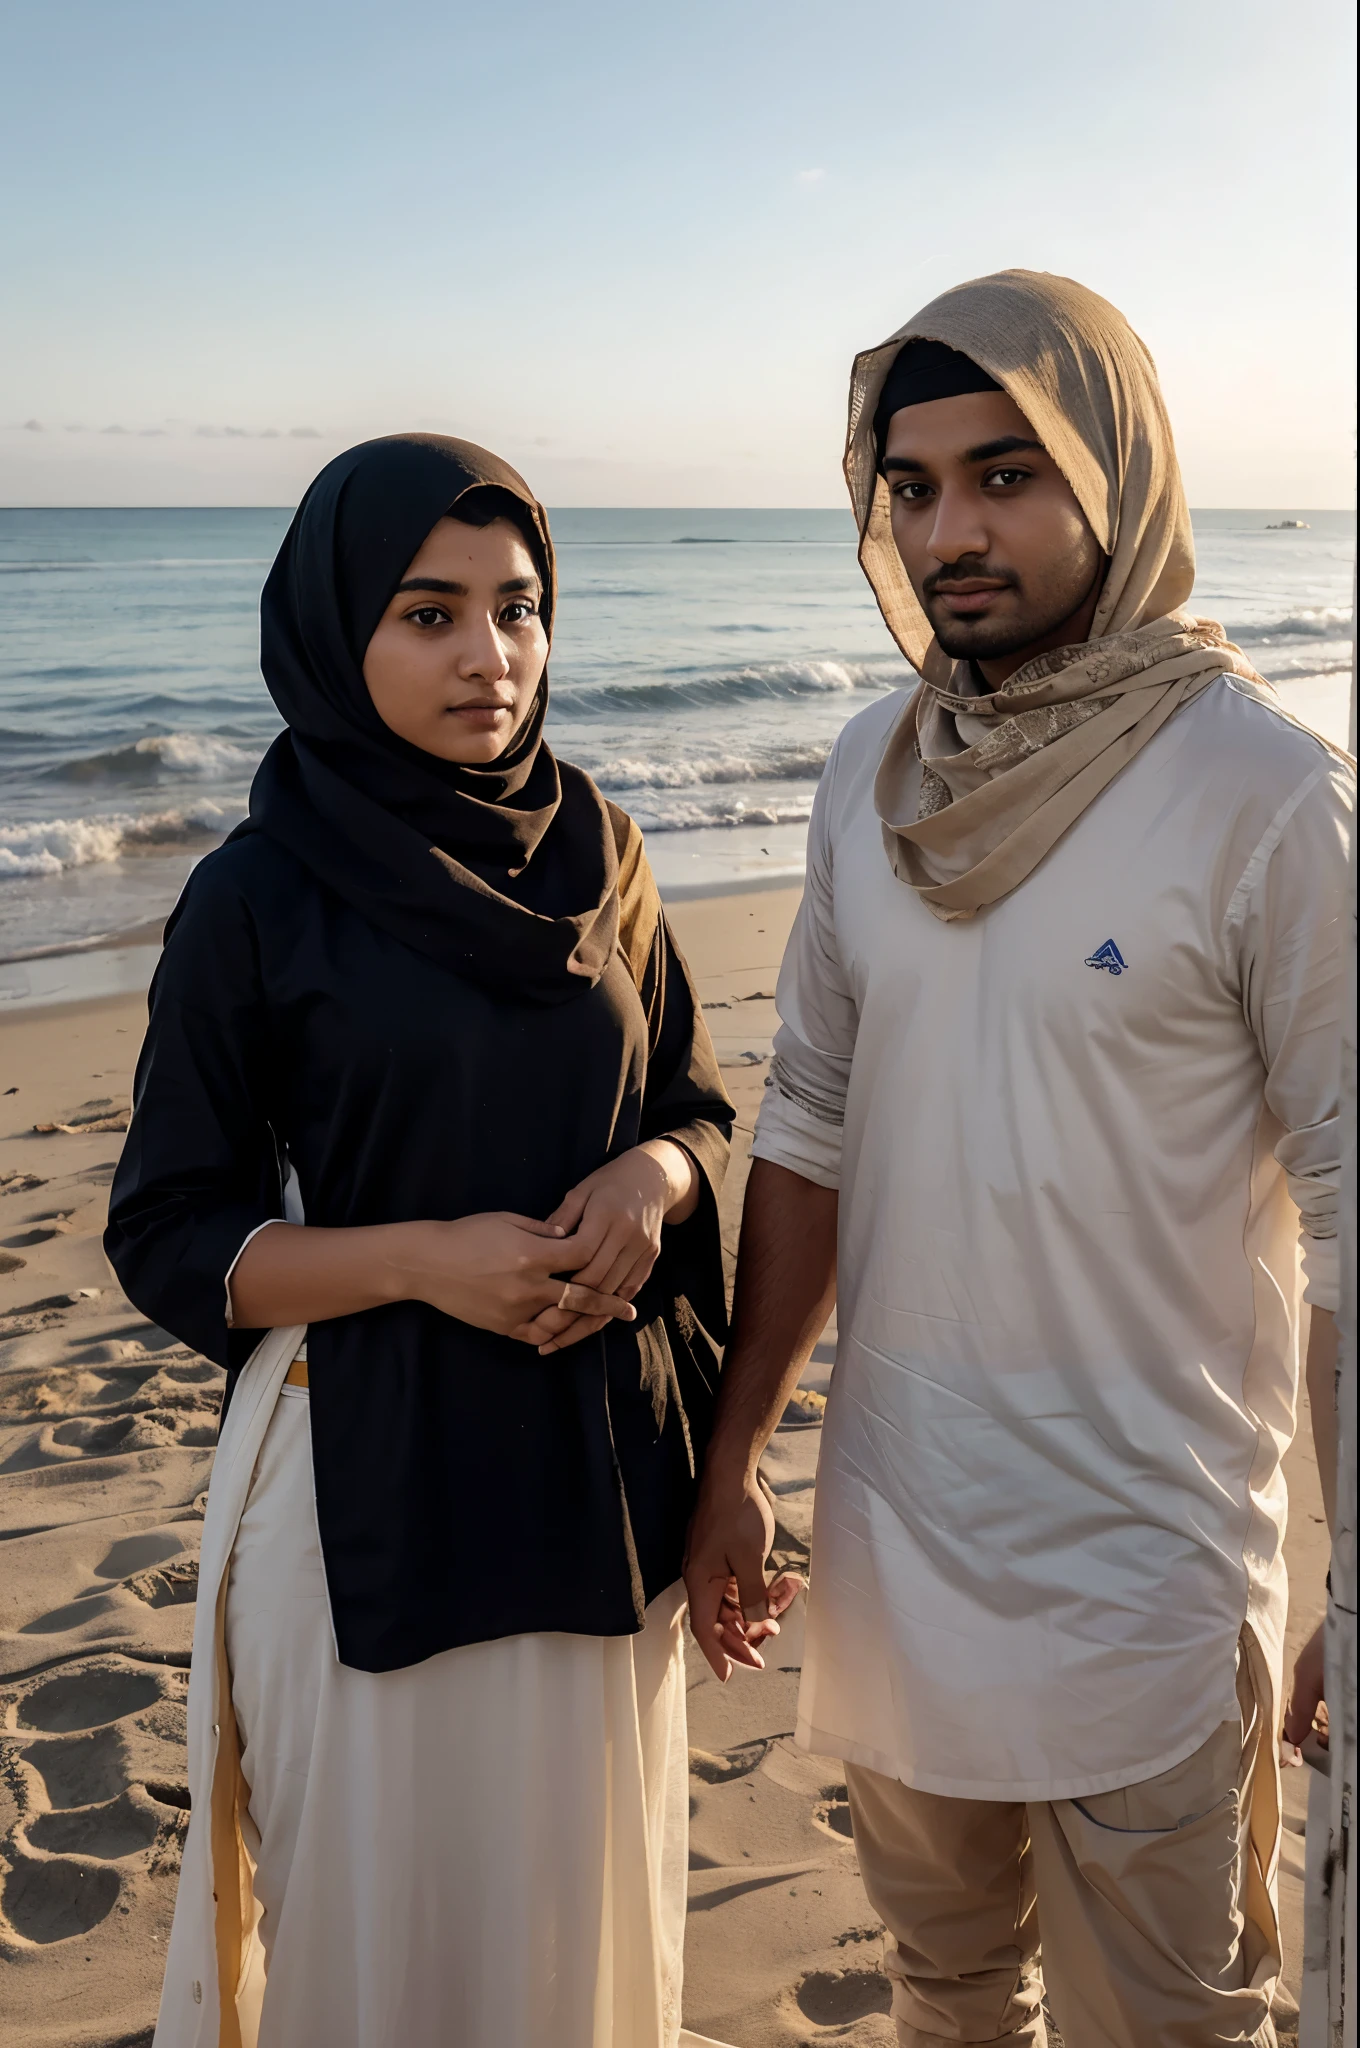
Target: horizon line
x=1278, y=506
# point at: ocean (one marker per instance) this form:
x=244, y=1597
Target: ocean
x=703, y=665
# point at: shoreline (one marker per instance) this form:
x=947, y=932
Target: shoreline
x=54, y=979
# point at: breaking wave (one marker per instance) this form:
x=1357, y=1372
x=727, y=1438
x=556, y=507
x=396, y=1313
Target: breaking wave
x=657, y=815
x=679, y=689
x=54, y=846
x=170, y=756
x=789, y=764
x=1328, y=622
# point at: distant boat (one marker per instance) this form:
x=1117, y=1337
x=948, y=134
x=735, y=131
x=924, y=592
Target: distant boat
x=1288, y=526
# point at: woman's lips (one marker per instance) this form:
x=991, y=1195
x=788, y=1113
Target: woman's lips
x=481, y=715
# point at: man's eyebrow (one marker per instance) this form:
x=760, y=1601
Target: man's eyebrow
x=1005, y=444
x=986, y=451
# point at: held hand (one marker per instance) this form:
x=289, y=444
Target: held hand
x=616, y=1216
x=732, y=1609
x=497, y=1270
x=1305, y=1694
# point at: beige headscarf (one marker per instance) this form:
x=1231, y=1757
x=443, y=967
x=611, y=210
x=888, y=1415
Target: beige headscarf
x=1003, y=776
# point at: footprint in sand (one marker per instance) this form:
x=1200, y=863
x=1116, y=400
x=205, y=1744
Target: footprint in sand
x=90, y=1698
x=721, y=1766
x=107, y=1399
x=41, y=1229
x=95, y=1756
x=49, y=1901
x=832, y=1813
x=836, y=1998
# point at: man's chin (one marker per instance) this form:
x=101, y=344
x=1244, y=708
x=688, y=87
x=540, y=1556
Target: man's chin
x=980, y=639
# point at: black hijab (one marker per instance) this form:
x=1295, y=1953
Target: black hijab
x=506, y=873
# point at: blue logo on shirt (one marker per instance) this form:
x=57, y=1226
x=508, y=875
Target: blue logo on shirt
x=1108, y=956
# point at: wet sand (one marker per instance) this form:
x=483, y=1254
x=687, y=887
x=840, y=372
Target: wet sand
x=106, y=1434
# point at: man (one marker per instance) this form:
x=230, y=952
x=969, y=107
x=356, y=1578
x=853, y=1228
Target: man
x=1059, y=1055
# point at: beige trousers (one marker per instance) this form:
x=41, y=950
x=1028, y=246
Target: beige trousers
x=1154, y=1903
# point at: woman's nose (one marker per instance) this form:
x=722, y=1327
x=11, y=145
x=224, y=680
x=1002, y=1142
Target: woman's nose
x=483, y=655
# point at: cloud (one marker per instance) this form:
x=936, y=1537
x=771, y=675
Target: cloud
x=148, y=433
x=75, y=428
x=814, y=177
x=304, y=433
x=237, y=433
x=207, y=433
x=113, y=430
x=33, y=426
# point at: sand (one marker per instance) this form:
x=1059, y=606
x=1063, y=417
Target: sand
x=106, y=1433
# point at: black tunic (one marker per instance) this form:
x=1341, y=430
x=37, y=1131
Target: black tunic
x=466, y=1488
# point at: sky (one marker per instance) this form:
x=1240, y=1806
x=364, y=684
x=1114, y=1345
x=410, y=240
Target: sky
x=634, y=248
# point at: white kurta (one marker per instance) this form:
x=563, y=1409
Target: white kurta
x=488, y=1848
x=1066, y=1134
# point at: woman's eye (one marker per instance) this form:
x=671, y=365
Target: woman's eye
x=428, y=615
x=515, y=614
x=1005, y=477
x=913, y=493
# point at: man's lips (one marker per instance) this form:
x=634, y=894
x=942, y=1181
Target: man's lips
x=965, y=598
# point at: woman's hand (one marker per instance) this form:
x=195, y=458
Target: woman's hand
x=497, y=1271
x=615, y=1216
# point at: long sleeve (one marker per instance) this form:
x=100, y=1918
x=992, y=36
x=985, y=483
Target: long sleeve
x=199, y=1171
x=684, y=1100
x=1288, y=925
x=801, y=1118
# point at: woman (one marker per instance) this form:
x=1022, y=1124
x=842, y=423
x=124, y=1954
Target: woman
x=426, y=1000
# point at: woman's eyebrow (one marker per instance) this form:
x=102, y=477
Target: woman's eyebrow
x=447, y=589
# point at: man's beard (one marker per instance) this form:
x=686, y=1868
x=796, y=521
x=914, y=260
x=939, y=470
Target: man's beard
x=987, y=639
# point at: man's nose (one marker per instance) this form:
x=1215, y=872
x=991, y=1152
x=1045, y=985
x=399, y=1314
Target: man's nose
x=959, y=527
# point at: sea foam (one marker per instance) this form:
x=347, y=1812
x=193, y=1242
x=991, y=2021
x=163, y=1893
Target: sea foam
x=52, y=846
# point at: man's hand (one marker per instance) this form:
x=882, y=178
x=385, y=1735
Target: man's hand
x=732, y=1610
x=786, y=1286
x=1305, y=1694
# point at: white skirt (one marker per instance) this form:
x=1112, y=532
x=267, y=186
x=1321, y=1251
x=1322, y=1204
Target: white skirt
x=486, y=1850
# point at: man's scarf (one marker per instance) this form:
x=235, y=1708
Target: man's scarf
x=973, y=790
